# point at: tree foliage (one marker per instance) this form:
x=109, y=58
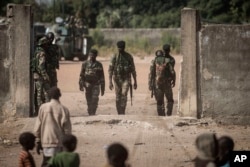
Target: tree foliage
x=137, y=13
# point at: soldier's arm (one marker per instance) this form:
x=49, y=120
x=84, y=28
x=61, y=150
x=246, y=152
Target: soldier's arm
x=173, y=75
x=102, y=79
x=42, y=66
x=151, y=75
x=82, y=77
x=111, y=67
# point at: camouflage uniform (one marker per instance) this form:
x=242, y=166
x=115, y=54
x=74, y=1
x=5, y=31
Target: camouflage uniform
x=92, y=79
x=121, y=67
x=171, y=80
x=52, y=63
x=164, y=87
x=40, y=74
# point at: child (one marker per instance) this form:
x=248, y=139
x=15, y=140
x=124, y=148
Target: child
x=226, y=145
x=207, y=146
x=27, y=140
x=117, y=155
x=67, y=157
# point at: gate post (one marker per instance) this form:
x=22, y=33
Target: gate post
x=188, y=102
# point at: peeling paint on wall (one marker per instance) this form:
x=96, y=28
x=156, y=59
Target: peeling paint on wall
x=206, y=74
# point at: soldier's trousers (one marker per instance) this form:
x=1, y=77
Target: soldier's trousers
x=121, y=92
x=160, y=92
x=53, y=77
x=42, y=96
x=92, y=97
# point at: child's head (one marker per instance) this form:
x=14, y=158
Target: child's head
x=207, y=146
x=69, y=142
x=226, y=144
x=117, y=154
x=27, y=140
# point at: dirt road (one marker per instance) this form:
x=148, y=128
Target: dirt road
x=151, y=140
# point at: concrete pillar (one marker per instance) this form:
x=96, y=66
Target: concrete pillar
x=189, y=49
x=20, y=22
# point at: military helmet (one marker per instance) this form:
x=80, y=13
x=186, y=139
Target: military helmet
x=43, y=41
x=51, y=36
x=159, y=53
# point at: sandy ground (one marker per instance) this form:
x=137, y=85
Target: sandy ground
x=151, y=140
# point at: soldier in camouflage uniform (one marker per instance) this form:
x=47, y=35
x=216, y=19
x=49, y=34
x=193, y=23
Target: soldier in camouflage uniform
x=122, y=67
x=92, y=80
x=171, y=80
x=40, y=73
x=160, y=73
x=52, y=59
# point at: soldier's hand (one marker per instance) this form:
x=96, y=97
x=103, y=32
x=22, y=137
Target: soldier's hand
x=135, y=85
x=150, y=87
x=172, y=83
x=111, y=86
x=102, y=92
x=81, y=89
x=38, y=147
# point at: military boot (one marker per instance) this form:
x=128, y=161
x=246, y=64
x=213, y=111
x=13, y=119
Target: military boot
x=118, y=108
x=90, y=111
x=160, y=111
x=169, y=108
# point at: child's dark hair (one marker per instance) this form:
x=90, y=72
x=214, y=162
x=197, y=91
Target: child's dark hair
x=226, y=143
x=69, y=142
x=26, y=138
x=54, y=93
x=117, y=154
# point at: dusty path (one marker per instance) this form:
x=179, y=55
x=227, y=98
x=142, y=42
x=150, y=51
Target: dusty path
x=151, y=140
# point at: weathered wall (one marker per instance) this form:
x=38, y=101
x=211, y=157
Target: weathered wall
x=225, y=72
x=15, y=77
x=215, y=70
x=4, y=69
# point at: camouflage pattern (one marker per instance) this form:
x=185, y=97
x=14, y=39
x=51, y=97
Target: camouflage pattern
x=52, y=63
x=92, y=79
x=122, y=67
x=165, y=88
x=41, y=77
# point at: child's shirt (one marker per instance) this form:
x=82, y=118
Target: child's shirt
x=65, y=159
x=26, y=159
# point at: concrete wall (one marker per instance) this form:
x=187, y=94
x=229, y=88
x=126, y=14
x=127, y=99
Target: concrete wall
x=215, y=73
x=225, y=72
x=15, y=77
x=4, y=70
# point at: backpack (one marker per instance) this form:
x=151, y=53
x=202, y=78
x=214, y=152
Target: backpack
x=160, y=71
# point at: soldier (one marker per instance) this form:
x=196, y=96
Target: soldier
x=160, y=72
x=40, y=73
x=166, y=50
x=92, y=80
x=122, y=67
x=53, y=60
